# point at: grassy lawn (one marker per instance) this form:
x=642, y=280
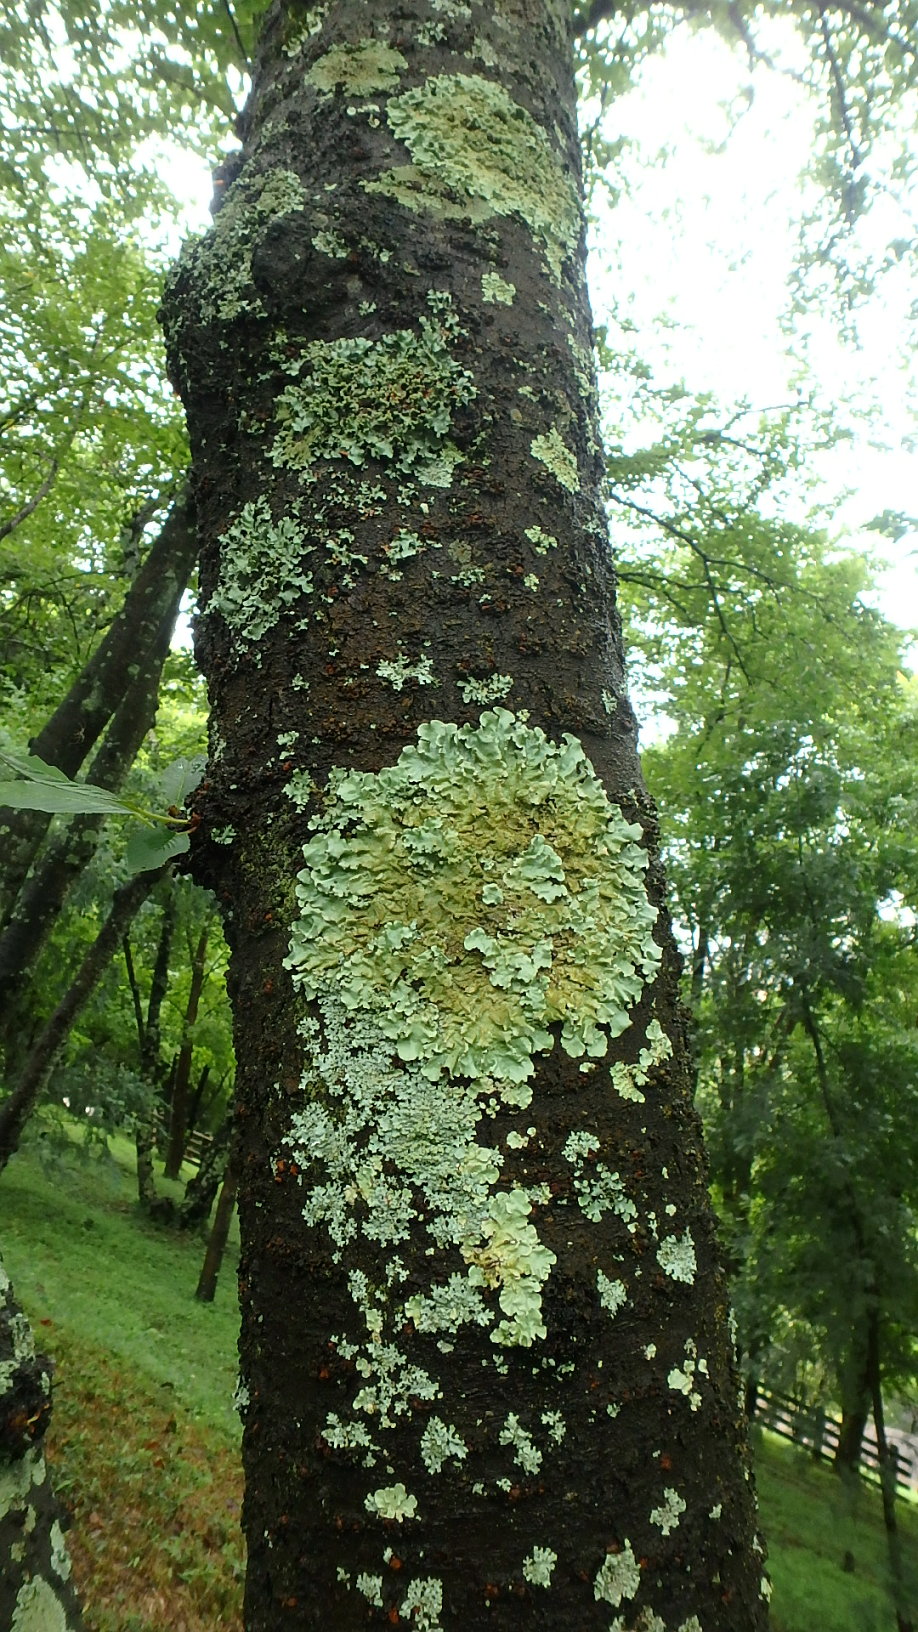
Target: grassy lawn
x=144, y=1438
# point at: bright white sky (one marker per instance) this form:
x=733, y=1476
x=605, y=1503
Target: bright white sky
x=706, y=238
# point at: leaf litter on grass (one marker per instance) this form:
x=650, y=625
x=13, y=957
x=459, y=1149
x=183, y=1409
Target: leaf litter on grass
x=154, y=1495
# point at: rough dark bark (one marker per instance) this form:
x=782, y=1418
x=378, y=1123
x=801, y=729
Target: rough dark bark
x=18, y=1107
x=36, y=1590
x=181, y=1081
x=485, y=1346
x=206, y=1289
x=76, y=725
x=64, y=858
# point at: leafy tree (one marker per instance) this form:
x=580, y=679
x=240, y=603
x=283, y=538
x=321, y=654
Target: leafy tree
x=413, y=660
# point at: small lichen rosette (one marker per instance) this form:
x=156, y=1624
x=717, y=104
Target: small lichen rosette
x=472, y=894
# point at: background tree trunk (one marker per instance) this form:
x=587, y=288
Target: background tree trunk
x=45, y=891
x=76, y=725
x=181, y=1081
x=18, y=1107
x=485, y=1341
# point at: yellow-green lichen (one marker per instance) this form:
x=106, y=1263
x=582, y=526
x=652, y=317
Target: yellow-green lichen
x=552, y=452
x=474, y=893
x=496, y=291
x=475, y=154
x=391, y=399
x=359, y=69
x=38, y=1609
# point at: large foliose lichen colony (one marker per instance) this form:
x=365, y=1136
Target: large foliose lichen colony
x=452, y=908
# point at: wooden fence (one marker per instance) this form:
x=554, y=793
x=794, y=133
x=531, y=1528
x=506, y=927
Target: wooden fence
x=817, y=1431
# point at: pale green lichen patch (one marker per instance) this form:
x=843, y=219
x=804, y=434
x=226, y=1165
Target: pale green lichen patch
x=399, y=670
x=552, y=452
x=613, y=1295
x=543, y=541
x=358, y=70
x=38, y=1609
x=513, y=1259
x=496, y=291
x=441, y=1443
x=422, y=1604
x=676, y=1256
x=670, y=1511
x=491, y=690
x=262, y=571
x=392, y=1502
x=394, y=919
x=619, y=1576
x=476, y=153
x=537, y=1568
x=391, y=399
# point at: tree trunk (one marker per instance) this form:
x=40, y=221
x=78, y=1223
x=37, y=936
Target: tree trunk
x=485, y=1342
x=36, y=1589
x=18, y=1107
x=203, y=1185
x=76, y=725
x=197, y=1102
x=181, y=1083
x=886, y=1456
x=45, y=891
x=216, y=1244
x=149, y=1040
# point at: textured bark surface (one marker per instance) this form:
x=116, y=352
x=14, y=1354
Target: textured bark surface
x=487, y=1377
x=36, y=1592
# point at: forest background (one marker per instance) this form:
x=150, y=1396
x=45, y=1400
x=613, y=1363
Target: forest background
x=783, y=756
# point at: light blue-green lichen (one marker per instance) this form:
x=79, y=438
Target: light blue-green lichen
x=371, y=1587
x=496, y=291
x=613, y=1295
x=537, y=1568
x=628, y=1080
x=441, y=1443
x=491, y=690
x=552, y=452
x=512, y=1259
x=598, y=1189
x=475, y=154
x=422, y=1604
x=676, y=1256
x=525, y=1451
x=391, y=399
x=543, y=541
x=358, y=69
x=684, y=1379
x=396, y=671
x=261, y=571
x=668, y=1514
x=618, y=1577
x=394, y=920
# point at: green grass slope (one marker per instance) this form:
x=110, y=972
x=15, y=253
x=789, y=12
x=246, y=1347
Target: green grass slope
x=144, y=1439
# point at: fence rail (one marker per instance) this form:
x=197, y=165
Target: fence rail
x=817, y=1431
